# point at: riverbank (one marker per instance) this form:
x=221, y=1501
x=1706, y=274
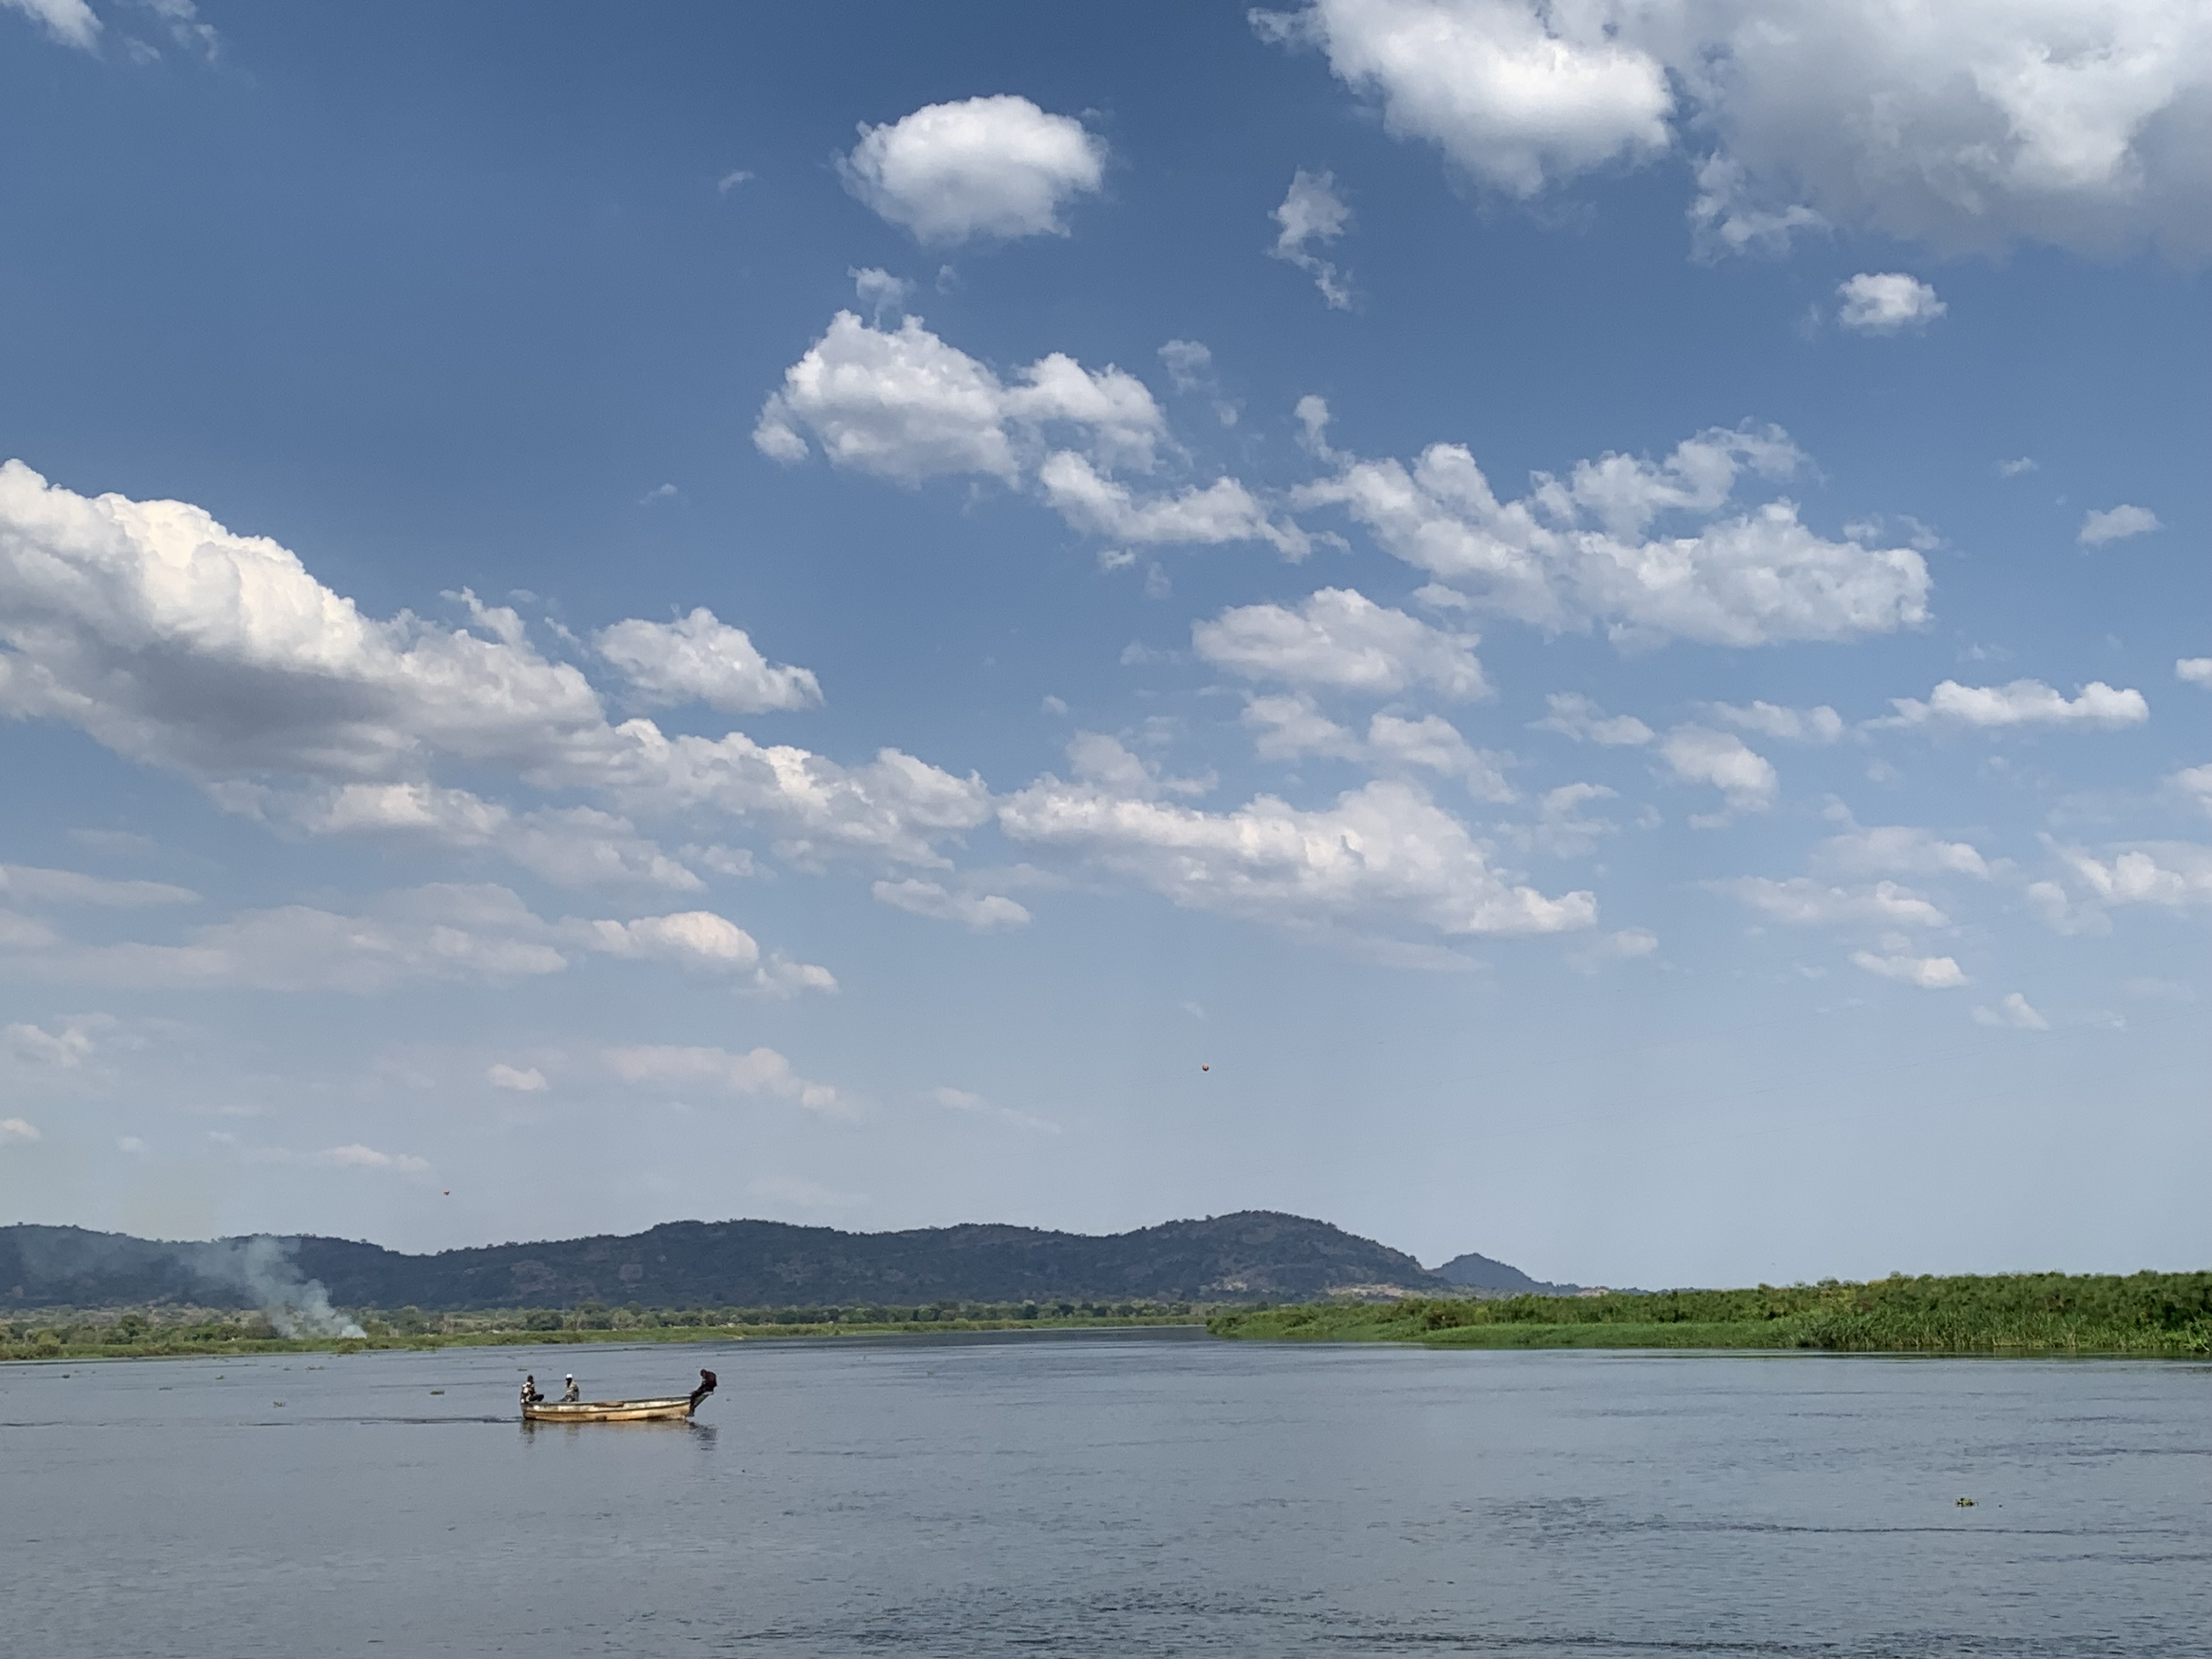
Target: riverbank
x=2166, y=1315
x=204, y=1344
x=2140, y=1313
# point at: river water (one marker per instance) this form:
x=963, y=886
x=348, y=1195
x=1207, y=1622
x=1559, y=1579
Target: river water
x=1111, y=1494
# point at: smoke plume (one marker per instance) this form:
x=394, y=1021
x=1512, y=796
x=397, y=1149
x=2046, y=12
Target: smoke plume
x=263, y=1268
x=70, y=1265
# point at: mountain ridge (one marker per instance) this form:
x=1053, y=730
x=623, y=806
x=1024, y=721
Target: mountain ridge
x=1482, y=1272
x=1247, y=1255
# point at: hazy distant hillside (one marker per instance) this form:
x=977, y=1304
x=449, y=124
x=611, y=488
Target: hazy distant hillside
x=1253, y=1256
x=1478, y=1272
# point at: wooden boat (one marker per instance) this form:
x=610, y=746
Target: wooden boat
x=671, y=1409
x=675, y=1409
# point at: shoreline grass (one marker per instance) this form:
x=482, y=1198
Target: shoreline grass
x=2141, y=1314
x=211, y=1346
x=2029, y=1315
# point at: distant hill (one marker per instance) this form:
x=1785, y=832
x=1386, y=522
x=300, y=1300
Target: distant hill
x=1251, y=1256
x=1480, y=1273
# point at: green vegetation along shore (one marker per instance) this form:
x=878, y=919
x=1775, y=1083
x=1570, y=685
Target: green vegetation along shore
x=174, y=1332
x=2142, y=1314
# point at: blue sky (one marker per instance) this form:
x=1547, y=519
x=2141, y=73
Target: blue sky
x=1578, y=634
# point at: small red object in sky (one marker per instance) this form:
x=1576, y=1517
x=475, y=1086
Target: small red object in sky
x=1204, y=1067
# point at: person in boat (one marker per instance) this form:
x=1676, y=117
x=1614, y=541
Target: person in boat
x=529, y=1395
x=572, y=1393
x=707, y=1381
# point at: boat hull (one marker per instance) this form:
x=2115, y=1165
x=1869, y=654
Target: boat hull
x=675, y=1410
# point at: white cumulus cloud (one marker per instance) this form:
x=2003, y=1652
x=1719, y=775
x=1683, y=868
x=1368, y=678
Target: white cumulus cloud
x=1384, y=858
x=1222, y=511
x=1106, y=763
x=569, y=846
x=17, y=1129
x=2014, y=1011
x=2022, y=703
x=1802, y=902
x=1341, y=640
x=1900, y=849
x=1887, y=302
x=1698, y=754
x=997, y=167
x=356, y=1155
x=1290, y=726
x=1189, y=364
x=2197, y=671
x=694, y=938
x=895, y=808
x=904, y=404
x=177, y=642
x=1818, y=724
x=66, y=1049
x=2195, y=782
x=1561, y=829
x=1513, y=95
x=2116, y=524
x=1969, y=126
x=1929, y=973
x=703, y=659
x=521, y=1080
x=1590, y=548
x=703, y=940
x=71, y=22
x=877, y=289
x=2171, y=875
x=982, y=912
x=1577, y=716
x=1312, y=212
x=756, y=1071
x=1311, y=412
x=1434, y=743
x=1629, y=944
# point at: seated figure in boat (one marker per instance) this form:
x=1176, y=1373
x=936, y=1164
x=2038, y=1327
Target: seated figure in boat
x=529, y=1395
x=572, y=1393
x=707, y=1381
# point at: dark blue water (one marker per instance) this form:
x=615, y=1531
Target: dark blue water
x=1111, y=1496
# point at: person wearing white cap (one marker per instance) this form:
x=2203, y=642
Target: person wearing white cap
x=572, y=1392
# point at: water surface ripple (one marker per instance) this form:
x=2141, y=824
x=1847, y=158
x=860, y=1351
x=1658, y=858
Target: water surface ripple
x=1111, y=1495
